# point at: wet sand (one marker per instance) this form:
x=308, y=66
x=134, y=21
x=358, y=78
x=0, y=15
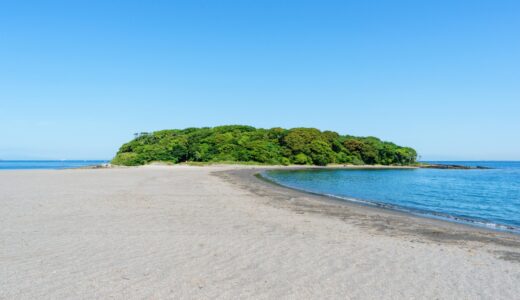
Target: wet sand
x=220, y=232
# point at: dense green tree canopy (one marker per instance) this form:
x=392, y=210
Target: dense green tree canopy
x=236, y=143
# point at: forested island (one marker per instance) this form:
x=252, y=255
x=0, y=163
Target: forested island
x=246, y=144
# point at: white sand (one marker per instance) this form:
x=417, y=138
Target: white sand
x=179, y=232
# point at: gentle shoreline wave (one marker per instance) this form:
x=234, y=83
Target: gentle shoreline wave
x=479, y=223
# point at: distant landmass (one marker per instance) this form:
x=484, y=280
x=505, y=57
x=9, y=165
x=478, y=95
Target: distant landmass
x=246, y=144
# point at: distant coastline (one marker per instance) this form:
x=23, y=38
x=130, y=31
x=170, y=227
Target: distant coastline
x=95, y=164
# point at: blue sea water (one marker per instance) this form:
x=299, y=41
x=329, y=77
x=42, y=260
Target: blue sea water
x=484, y=197
x=47, y=164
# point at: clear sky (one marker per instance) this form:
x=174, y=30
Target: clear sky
x=78, y=78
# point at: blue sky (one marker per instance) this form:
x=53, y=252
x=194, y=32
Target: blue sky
x=78, y=78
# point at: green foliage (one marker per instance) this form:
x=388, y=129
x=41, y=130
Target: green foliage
x=301, y=159
x=321, y=153
x=246, y=144
x=127, y=159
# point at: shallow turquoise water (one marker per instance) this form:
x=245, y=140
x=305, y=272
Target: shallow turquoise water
x=47, y=164
x=483, y=197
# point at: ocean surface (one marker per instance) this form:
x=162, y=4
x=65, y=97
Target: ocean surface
x=487, y=197
x=47, y=164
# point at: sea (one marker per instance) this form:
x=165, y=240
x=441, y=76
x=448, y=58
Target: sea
x=481, y=197
x=47, y=164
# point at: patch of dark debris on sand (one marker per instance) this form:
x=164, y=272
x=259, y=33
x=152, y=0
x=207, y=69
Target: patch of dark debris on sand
x=508, y=255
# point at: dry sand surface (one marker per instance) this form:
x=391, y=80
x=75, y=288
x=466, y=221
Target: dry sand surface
x=204, y=232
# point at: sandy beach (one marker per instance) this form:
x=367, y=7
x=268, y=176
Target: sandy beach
x=219, y=232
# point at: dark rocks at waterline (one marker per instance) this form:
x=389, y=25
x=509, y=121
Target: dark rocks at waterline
x=454, y=167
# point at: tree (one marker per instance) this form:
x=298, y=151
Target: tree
x=268, y=146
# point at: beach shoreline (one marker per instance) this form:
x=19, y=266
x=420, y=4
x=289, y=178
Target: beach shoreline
x=220, y=232
x=398, y=222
